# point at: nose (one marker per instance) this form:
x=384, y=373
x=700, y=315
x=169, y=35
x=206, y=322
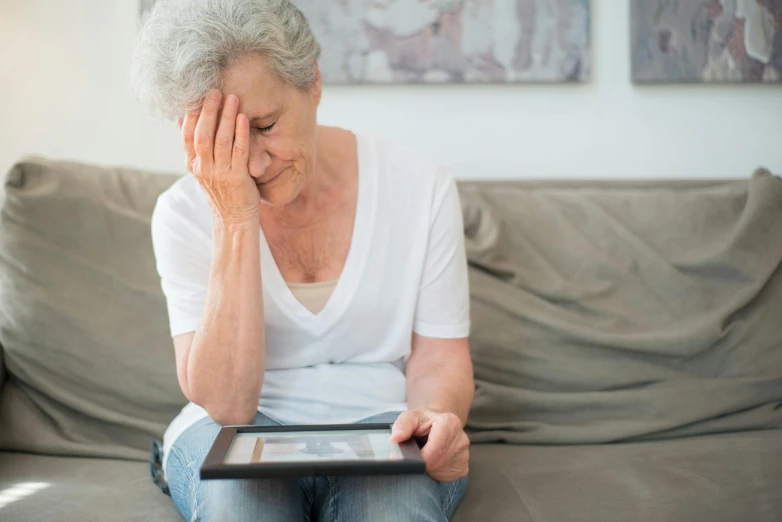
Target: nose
x=260, y=159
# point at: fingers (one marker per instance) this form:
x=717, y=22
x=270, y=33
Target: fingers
x=439, y=438
x=188, y=132
x=241, y=146
x=224, y=139
x=447, y=449
x=412, y=423
x=205, y=128
x=446, y=452
x=404, y=426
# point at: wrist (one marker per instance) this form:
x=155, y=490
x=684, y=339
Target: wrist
x=439, y=409
x=434, y=408
x=236, y=225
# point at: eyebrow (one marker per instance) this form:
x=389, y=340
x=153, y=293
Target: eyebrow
x=265, y=116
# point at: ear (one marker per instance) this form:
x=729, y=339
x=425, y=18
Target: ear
x=317, y=89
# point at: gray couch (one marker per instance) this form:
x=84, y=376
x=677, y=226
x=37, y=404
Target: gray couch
x=626, y=338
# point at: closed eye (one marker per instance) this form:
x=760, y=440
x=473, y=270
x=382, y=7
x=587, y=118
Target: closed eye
x=265, y=129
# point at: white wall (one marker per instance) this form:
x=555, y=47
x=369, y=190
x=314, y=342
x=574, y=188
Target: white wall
x=64, y=93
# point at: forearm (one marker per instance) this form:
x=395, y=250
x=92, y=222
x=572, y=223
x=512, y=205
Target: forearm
x=226, y=361
x=441, y=381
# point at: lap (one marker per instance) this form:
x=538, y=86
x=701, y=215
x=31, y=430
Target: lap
x=229, y=500
x=377, y=498
x=390, y=498
x=393, y=497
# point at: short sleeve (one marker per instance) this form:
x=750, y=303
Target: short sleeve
x=182, y=257
x=443, y=307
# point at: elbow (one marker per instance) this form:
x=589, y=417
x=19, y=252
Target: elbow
x=226, y=412
x=232, y=418
x=231, y=415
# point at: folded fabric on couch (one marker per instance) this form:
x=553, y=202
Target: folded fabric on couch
x=2, y=369
x=608, y=313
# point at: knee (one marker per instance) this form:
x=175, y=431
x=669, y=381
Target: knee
x=248, y=499
x=184, y=466
x=182, y=477
x=391, y=498
x=210, y=500
x=224, y=501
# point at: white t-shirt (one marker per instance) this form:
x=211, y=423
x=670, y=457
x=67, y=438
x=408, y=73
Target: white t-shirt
x=405, y=272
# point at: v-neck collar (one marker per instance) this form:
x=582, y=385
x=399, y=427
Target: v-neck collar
x=355, y=262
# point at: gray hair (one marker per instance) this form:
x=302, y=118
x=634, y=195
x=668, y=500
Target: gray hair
x=184, y=46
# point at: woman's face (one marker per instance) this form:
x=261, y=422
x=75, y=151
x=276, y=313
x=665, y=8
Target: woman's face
x=283, y=127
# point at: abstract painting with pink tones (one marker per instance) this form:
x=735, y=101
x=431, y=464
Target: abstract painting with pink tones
x=145, y=5
x=706, y=41
x=451, y=41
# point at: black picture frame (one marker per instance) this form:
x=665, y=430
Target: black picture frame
x=214, y=466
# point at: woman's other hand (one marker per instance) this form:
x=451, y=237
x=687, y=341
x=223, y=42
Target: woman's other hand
x=447, y=449
x=219, y=158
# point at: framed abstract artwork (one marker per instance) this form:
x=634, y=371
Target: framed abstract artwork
x=706, y=41
x=451, y=41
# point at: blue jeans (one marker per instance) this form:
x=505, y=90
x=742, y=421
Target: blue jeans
x=379, y=498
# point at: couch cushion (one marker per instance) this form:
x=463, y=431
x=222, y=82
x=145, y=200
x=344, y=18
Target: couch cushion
x=623, y=311
x=70, y=489
x=83, y=323
x=719, y=478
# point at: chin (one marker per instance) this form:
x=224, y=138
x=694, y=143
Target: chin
x=280, y=194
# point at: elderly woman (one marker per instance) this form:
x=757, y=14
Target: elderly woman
x=312, y=275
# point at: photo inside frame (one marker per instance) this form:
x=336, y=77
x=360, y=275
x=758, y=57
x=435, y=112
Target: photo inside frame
x=276, y=447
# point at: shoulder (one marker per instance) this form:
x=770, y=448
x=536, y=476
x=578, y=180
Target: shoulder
x=402, y=168
x=183, y=195
x=184, y=206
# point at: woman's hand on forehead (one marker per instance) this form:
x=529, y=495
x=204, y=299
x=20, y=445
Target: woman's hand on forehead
x=216, y=140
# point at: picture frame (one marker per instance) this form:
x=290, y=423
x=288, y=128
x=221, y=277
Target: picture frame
x=247, y=452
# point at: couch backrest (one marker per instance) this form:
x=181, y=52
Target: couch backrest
x=83, y=321
x=600, y=311
x=624, y=310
